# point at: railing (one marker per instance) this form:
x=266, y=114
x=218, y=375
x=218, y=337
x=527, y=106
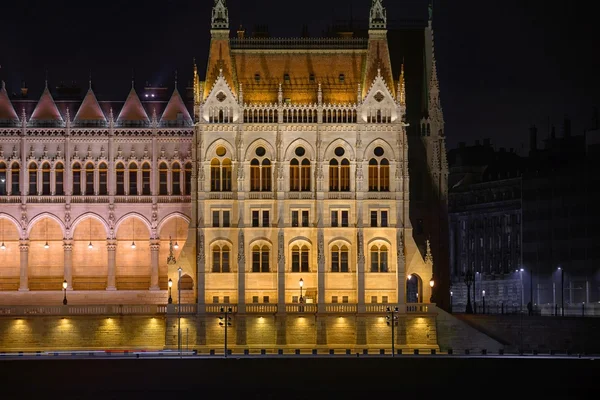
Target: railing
x=340, y=195
x=45, y=199
x=298, y=43
x=10, y=199
x=260, y=195
x=90, y=199
x=216, y=308
x=220, y=195
x=133, y=199
x=340, y=308
x=261, y=308
x=300, y=195
x=301, y=308
x=174, y=199
x=379, y=195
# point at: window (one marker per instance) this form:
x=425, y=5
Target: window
x=261, y=218
x=286, y=78
x=46, y=179
x=339, y=218
x=344, y=299
x=311, y=78
x=379, y=172
x=14, y=179
x=120, y=172
x=226, y=222
x=215, y=219
x=216, y=299
x=374, y=299
x=342, y=78
x=260, y=259
x=221, y=258
x=176, y=179
x=163, y=170
x=146, y=173
x=59, y=176
x=294, y=299
x=300, y=218
x=265, y=218
x=257, y=78
x=103, y=179
x=379, y=258
x=260, y=172
x=379, y=218
x=255, y=299
x=384, y=299
x=221, y=218
x=334, y=299
x=133, y=170
x=76, y=179
x=220, y=173
x=187, y=190
x=300, y=172
x=2, y=179
x=33, y=179
x=226, y=299
x=339, y=259
x=339, y=172
x=265, y=299
x=89, y=179
x=300, y=259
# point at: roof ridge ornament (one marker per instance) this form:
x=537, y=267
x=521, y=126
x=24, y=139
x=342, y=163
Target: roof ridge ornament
x=378, y=17
x=220, y=15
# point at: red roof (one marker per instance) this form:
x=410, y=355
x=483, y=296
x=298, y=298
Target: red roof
x=46, y=109
x=175, y=107
x=90, y=109
x=132, y=109
x=7, y=111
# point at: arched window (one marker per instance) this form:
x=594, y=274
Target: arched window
x=255, y=175
x=120, y=171
x=379, y=172
x=294, y=175
x=373, y=175
x=300, y=259
x=334, y=176
x=187, y=191
x=266, y=176
x=33, y=179
x=220, y=174
x=133, y=180
x=339, y=172
x=260, y=172
x=89, y=179
x=260, y=259
x=46, y=179
x=300, y=172
x=14, y=179
x=339, y=259
x=221, y=258
x=76, y=173
x=59, y=176
x=146, y=171
x=384, y=175
x=305, y=175
x=379, y=258
x=176, y=179
x=102, y=179
x=2, y=179
x=163, y=170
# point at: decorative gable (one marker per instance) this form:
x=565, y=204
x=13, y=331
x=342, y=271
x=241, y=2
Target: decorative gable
x=176, y=113
x=90, y=113
x=133, y=113
x=46, y=113
x=8, y=115
x=221, y=105
x=379, y=104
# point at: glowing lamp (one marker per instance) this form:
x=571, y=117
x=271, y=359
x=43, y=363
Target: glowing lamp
x=170, y=282
x=46, y=245
x=65, y=284
x=133, y=245
x=301, y=283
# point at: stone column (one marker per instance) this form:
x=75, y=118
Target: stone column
x=280, y=272
x=154, y=248
x=201, y=273
x=360, y=271
x=241, y=273
x=111, y=246
x=24, y=249
x=68, y=256
x=401, y=268
x=321, y=270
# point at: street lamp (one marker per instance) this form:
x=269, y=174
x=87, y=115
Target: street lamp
x=451, y=302
x=225, y=321
x=65, y=284
x=179, y=311
x=431, y=285
x=469, y=282
x=483, y=299
x=170, y=286
x=392, y=320
x=301, y=283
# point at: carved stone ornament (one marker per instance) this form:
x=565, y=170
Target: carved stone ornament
x=321, y=248
x=361, y=253
x=241, y=252
x=201, y=256
x=280, y=247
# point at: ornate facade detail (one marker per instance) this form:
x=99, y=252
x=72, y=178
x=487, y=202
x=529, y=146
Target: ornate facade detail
x=24, y=219
x=201, y=252
x=400, y=243
x=241, y=251
x=428, y=255
x=360, y=246
x=378, y=18
x=220, y=15
x=281, y=247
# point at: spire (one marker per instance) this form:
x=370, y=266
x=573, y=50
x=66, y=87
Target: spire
x=428, y=255
x=7, y=111
x=46, y=112
x=280, y=95
x=89, y=112
x=378, y=17
x=401, y=88
x=220, y=15
x=133, y=112
x=176, y=113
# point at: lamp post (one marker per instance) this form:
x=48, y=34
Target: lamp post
x=483, y=299
x=224, y=321
x=451, y=302
x=392, y=320
x=170, y=286
x=562, y=291
x=469, y=282
x=179, y=312
x=301, y=283
x=65, y=284
x=521, y=278
x=431, y=285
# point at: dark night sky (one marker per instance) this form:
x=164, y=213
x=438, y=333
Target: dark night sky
x=503, y=64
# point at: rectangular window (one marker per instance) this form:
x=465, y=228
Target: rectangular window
x=215, y=219
x=120, y=183
x=344, y=299
x=59, y=182
x=77, y=183
x=226, y=219
x=345, y=218
x=14, y=177
x=255, y=299
x=133, y=191
x=334, y=299
x=384, y=219
x=265, y=299
x=373, y=219
x=384, y=299
x=146, y=183
x=255, y=219
x=265, y=218
x=305, y=218
x=216, y=299
x=295, y=218
x=226, y=299
x=334, y=218
x=374, y=299
x=89, y=182
x=294, y=299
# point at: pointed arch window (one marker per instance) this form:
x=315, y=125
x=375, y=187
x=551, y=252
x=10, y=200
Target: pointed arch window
x=76, y=173
x=260, y=258
x=133, y=179
x=260, y=172
x=33, y=179
x=300, y=257
x=379, y=172
x=15, y=184
x=89, y=179
x=187, y=188
x=163, y=170
x=176, y=179
x=146, y=172
x=2, y=179
x=339, y=175
x=220, y=175
x=46, y=179
x=339, y=259
x=300, y=172
x=102, y=179
x=379, y=258
x=221, y=258
x=120, y=175
x=59, y=176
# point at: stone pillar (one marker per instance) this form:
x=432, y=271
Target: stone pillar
x=361, y=331
x=401, y=268
x=201, y=273
x=111, y=246
x=281, y=326
x=154, y=248
x=321, y=270
x=280, y=272
x=321, y=322
x=241, y=272
x=68, y=257
x=24, y=249
x=360, y=271
x=240, y=330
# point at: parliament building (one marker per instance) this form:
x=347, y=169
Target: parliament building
x=304, y=186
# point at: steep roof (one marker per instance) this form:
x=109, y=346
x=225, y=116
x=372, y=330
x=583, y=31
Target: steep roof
x=89, y=111
x=7, y=111
x=46, y=111
x=133, y=111
x=175, y=108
